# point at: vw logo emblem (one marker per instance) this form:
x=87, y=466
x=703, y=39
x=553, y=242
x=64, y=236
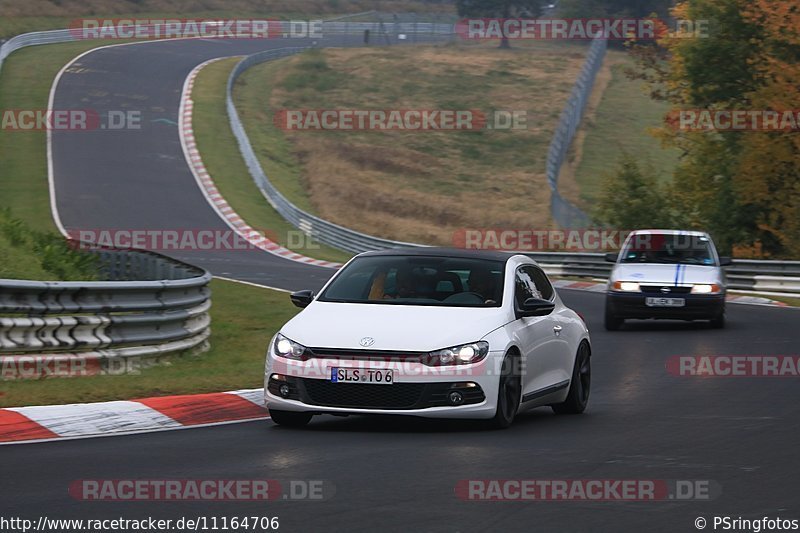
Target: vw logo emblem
x=666, y=290
x=366, y=342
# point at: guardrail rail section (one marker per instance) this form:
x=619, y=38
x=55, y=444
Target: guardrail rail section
x=150, y=306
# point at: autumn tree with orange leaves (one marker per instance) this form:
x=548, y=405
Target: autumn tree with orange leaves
x=742, y=186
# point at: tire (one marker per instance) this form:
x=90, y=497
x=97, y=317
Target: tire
x=718, y=322
x=509, y=394
x=290, y=418
x=611, y=321
x=580, y=385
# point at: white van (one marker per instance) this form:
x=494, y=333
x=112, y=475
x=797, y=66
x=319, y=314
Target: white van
x=667, y=274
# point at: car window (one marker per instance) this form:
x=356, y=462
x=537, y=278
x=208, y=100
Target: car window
x=525, y=287
x=419, y=280
x=540, y=281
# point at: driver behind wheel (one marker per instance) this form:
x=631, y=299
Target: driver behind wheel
x=481, y=282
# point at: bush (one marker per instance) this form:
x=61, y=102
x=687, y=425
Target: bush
x=632, y=198
x=54, y=253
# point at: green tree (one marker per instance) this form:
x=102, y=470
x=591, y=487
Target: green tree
x=712, y=72
x=632, y=198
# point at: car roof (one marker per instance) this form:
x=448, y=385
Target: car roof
x=669, y=232
x=433, y=251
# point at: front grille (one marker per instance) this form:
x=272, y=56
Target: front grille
x=394, y=396
x=369, y=396
x=656, y=289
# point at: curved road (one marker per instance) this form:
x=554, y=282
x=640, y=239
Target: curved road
x=138, y=179
x=398, y=475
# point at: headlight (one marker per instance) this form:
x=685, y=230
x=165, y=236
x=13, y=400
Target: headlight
x=289, y=349
x=458, y=355
x=627, y=286
x=706, y=288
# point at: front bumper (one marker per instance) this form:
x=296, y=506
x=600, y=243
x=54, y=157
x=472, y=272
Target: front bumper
x=633, y=305
x=416, y=391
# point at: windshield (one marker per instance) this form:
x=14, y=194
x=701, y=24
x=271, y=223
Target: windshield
x=670, y=249
x=419, y=280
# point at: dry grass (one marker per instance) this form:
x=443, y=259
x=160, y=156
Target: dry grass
x=424, y=186
x=65, y=8
x=20, y=16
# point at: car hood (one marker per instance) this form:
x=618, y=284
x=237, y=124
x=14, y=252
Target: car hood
x=666, y=274
x=393, y=327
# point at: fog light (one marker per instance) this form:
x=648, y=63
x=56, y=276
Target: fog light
x=284, y=390
x=456, y=398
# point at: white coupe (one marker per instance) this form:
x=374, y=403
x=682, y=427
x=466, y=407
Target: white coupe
x=431, y=332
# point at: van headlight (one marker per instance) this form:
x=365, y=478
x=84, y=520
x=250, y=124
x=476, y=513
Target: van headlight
x=285, y=347
x=626, y=286
x=463, y=354
x=706, y=288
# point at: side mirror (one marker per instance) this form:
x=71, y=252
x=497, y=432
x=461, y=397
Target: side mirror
x=611, y=257
x=536, y=307
x=725, y=261
x=302, y=298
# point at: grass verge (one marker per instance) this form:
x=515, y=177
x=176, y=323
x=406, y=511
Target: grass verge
x=620, y=124
x=23, y=154
x=221, y=157
x=243, y=319
x=40, y=255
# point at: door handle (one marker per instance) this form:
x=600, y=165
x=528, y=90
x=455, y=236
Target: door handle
x=557, y=329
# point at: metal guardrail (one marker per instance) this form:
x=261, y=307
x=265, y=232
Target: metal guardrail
x=566, y=214
x=149, y=306
x=743, y=274
x=33, y=39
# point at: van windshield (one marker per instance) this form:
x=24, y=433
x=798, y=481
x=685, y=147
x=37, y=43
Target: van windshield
x=670, y=249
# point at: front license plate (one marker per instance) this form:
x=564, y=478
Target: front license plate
x=362, y=375
x=665, y=302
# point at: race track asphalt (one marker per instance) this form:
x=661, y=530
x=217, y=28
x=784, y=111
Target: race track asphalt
x=399, y=474
x=138, y=179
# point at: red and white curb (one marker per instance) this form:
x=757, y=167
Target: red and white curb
x=105, y=419
x=594, y=286
x=210, y=191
